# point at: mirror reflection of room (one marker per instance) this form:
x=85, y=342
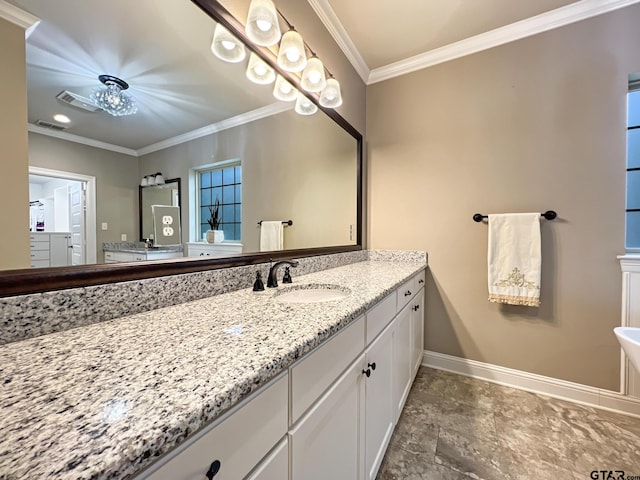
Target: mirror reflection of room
x=166, y=125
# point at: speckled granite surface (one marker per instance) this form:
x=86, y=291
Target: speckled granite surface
x=137, y=247
x=28, y=316
x=102, y=401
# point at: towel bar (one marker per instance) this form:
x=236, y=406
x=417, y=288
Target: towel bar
x=549, y=215
x=284, y=222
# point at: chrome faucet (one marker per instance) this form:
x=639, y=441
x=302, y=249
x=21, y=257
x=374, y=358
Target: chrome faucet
x=272, y=279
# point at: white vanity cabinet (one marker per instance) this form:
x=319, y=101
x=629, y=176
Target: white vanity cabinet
x=111, y=256
x=50, y=249
x=222, y=249
x=235, y=443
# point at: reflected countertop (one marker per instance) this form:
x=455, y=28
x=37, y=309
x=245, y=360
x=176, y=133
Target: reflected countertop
x=105, y=400
x=138, y=247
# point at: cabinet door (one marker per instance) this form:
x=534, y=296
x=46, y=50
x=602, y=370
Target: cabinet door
x=417, y=332
x=60, y=253
x=275, y=466
x=403, y=362
x=326, y=443
x=379, y=400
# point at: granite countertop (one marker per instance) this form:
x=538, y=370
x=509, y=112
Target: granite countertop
x=131, y=247
x=103, y=401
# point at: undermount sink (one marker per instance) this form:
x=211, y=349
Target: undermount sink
x=312, y=294
x=629, y=338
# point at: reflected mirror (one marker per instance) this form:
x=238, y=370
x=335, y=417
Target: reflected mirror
x=167, y=193
x=195, y=115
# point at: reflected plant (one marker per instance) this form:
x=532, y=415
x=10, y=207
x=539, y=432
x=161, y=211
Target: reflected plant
x=214, y=221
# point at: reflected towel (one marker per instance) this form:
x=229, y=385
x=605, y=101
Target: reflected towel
x=271, y=236
x=514, y=259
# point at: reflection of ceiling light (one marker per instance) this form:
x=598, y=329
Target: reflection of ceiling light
x=227, y=47
x=61, y=118
x=112, y=99
x=304, y=106
x=259, y=72
x=283, y=90
x=331, y=96
x=262, y=26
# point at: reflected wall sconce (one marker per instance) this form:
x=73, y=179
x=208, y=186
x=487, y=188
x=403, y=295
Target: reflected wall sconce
x=263, y=29
x=151, y=180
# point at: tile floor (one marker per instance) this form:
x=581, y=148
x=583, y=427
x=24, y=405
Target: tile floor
x=454, y=427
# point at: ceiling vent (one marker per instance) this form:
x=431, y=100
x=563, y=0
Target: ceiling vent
x=77, y=101
x=52, y=126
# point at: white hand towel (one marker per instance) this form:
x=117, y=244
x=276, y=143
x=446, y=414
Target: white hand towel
x=514, y=259
x=271, y=236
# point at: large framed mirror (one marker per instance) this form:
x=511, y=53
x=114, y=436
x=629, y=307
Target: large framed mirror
x=292, y=167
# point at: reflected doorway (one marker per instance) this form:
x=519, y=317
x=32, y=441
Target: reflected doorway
x=65, y=202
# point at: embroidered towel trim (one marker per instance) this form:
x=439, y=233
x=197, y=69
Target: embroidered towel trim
x=514, y=259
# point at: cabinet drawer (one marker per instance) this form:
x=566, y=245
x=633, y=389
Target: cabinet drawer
x=39, y=263
x=39, y=245
x=405, y=293
x=312, y=375
x=275, y=466
x=239, y=441
x=40, y=254
x=379, y=316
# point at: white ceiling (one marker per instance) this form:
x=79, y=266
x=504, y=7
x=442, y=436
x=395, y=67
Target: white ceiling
x=162, y=49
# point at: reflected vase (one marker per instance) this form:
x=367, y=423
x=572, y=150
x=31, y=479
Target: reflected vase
x=215, y=236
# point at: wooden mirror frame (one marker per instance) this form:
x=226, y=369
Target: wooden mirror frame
x=28, y=281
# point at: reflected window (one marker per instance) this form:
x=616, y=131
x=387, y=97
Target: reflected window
x=223, y=183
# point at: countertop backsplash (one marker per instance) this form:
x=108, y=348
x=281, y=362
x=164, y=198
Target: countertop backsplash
x=28, y=316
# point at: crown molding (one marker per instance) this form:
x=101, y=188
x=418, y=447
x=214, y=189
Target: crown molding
x=236, y=121
x=82, y=140
x=19, y=17
x=339, y=33
x=559, y=17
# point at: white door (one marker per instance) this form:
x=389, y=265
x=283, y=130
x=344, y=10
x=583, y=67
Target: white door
x=78, y=209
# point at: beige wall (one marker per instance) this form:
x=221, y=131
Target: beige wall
x=14, y=236
x=117, y=182
x=288, y=173
x=533, y=125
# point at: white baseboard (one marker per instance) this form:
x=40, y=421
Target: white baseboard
x=531, y=382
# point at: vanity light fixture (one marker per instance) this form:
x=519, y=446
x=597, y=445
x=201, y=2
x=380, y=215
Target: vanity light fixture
x=112, y=99
x=304, y=106
x=292, y=56
x=284, y=91
x=259, y=71
x=313, y=77
x=331, y=96
x=227, y=47
x=262, y=25
x=159, y=179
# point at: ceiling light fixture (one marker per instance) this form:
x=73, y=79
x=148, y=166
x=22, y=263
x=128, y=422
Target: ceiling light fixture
x=313, y=77
x=227, y=47
x=61, y=118
x=112, y=99
x=262, y=25
x=258, y=71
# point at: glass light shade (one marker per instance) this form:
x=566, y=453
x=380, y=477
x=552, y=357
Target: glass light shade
x=151, y=180
x=159, y=179
x=331, y=96
x=144, y=182
x=291, y=55
x=227, y=47
x=313, y=78
x=262, y=25
x=304, y=106
x=259, y=72
x=284, y=91
x=113, y=100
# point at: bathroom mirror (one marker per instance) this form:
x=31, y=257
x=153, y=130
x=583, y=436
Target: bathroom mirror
x=229, y=97
x=166, y=194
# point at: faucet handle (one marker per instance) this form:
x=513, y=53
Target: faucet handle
x=287, y=275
